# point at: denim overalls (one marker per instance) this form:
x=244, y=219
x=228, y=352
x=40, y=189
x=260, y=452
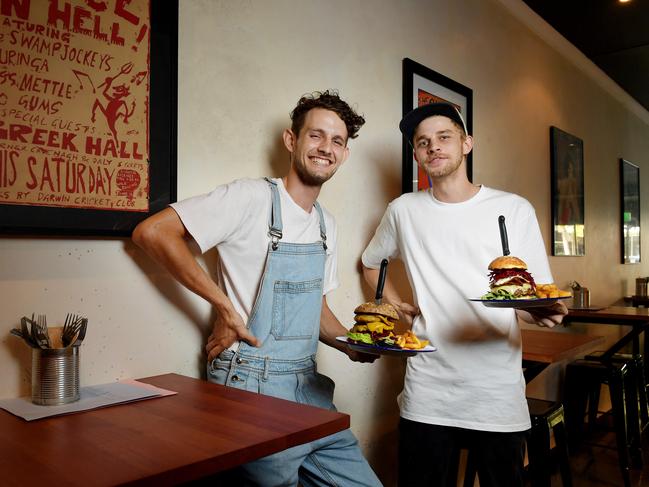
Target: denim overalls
x=286, y=318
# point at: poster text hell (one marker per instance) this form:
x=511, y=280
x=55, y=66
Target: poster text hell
x=80, y=19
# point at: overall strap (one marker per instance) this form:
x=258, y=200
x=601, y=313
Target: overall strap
x=275, y=219
x=323, y=228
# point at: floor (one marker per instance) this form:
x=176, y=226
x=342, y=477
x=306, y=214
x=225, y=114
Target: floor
x=595, y=465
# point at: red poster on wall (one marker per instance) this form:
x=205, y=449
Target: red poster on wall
x=74, y=104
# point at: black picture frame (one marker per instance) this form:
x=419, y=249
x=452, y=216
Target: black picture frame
x=42, y=220
x=567, y=187
x=418, y=77
x=630, y=212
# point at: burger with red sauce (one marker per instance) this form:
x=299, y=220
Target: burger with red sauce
x=509, y=279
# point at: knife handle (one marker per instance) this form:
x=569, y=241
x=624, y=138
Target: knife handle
x=503, y=235
x=381, y=282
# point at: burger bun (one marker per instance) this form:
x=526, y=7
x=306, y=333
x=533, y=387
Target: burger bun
x=384, y=309
x=507, y=262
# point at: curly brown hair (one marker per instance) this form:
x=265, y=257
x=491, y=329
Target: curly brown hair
x=329, y=100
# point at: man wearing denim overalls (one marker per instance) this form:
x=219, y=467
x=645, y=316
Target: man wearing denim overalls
x=277, y=261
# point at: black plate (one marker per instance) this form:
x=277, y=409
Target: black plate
x=379, y=350
x=518, y=303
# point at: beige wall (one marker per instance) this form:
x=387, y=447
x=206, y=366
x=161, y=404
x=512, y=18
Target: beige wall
x=242, y=66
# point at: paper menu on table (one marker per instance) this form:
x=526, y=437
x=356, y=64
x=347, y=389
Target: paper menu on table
x=92, y=397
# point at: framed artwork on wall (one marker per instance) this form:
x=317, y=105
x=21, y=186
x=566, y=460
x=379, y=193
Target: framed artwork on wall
x=422, y=85
x=567, y=185
x=88, y=139
x=630, y=207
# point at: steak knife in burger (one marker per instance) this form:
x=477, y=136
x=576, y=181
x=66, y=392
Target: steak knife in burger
x=374, y=321
x=511, y=285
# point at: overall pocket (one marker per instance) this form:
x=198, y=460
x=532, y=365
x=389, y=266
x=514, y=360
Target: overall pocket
x=219, y=367
x=220, y=370
x=296, y=309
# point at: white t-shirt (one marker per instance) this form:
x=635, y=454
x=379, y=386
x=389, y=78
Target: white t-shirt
x=234, y=218
x=474, y=380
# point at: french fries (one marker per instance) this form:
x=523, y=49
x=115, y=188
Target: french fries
x=550, y=291
x=410, y=341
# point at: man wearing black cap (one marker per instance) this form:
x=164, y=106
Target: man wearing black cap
x=471, y=392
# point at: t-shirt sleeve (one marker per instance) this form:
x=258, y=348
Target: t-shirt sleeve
x=217, y=216
x=384, y=243
x=534, y=253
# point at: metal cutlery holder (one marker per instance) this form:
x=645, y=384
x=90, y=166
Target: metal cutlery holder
x=641, y=286
x=55, y=375
x=581, y=298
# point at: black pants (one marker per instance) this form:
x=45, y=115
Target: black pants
x=428, y=455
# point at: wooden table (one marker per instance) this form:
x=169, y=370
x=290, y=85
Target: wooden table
x=204, y=429
x=637, y=300
x=637, y=319
x=541, y=348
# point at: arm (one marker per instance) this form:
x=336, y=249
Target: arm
x=536, y=258
x=330, y=328
x=407, y=311
x=544, y=316
x=164, y=238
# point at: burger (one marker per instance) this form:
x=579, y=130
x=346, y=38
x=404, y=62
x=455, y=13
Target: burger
x=509, y=279
x=374, y=324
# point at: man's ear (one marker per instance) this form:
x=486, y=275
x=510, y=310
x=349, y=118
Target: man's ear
x=290, y=140
x=345, y=155
x=414, y=155
x=467, y=145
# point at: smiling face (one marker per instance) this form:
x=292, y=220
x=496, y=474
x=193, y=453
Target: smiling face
x=440, y=146
x=320, y=148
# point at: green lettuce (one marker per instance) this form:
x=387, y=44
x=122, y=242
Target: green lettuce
x=387, y=341
x=361, y=337
x=498, y=294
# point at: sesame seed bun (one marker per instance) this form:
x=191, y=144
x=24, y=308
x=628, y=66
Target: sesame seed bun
x=384, y=309
x=507, y=262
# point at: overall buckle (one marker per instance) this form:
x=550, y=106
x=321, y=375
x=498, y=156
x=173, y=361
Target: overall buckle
x=275, y=237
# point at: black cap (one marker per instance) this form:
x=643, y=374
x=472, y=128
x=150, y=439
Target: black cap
x=409, y=123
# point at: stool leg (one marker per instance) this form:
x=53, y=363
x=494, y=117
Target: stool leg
x=633, y=418
x=575, y=400
x=561, y=443
x=470, y=471
x=538, y=449
x=593, y=406
x=642, y=390
x=454, y=466
x=616, y=385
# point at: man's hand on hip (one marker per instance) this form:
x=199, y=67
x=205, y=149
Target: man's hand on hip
x=228, y=328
